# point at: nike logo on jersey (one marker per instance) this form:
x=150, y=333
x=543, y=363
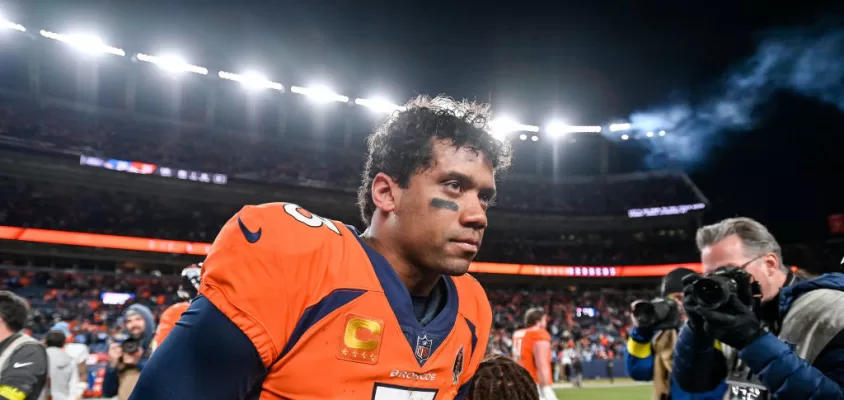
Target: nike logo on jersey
x=250, y=236
x=19, y=365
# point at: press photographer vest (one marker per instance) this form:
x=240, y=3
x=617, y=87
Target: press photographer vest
x=13, y=346
x=809, y=325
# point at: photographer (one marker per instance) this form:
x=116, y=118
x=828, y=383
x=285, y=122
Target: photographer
x=651, y=342
x=23, y=360
x=780, y=337
x=127, y=359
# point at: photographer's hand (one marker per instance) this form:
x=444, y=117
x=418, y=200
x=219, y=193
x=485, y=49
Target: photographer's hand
x=733, y=323
x=690, y=306
x=115, y=354
x=133, y=358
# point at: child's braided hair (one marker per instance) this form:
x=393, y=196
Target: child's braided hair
x=502, y=378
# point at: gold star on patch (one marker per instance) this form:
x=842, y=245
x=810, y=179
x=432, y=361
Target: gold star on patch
x=354, y=353
x=345, y=352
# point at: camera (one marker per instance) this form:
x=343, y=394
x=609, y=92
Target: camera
x=130, y=346
x=657, y=314
x=714, y=289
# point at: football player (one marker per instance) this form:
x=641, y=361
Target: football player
x=532, y=350
x=298, y=306
x=188, y=289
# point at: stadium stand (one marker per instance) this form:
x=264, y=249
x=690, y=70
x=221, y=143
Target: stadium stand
x=49, y=120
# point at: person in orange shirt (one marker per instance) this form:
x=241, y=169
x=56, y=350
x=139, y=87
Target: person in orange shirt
x=297, y=306
x=188, y=289
x=532, y=350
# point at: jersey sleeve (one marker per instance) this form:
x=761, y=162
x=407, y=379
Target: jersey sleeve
x=479, y=315
x=543, y=335
x=259, y=268
x=196, y=361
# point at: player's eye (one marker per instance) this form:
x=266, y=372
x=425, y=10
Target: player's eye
x=454, y=186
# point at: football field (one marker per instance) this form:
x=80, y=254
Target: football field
x=622, y=389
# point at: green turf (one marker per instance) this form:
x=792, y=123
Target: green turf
x=602, y=390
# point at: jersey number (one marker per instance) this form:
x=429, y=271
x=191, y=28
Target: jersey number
x=393, y=392
x=517, y=345
x=314, y=221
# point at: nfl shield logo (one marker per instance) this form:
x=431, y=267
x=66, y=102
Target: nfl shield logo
x=423, y=347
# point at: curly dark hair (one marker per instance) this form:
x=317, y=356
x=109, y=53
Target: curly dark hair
x=403, y=144
x=14, y=310
x=501, y=378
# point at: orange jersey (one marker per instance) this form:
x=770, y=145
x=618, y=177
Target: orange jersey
x=167, y=321
x=329, y=316
x=523, y=341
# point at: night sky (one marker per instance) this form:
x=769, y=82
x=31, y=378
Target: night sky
x=589, y=62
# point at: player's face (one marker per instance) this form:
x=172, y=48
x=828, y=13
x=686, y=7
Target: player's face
x=730, y=252
x=543, y=323
x=442, y=213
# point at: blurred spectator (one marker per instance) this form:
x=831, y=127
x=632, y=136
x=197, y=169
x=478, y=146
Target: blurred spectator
x=127, y=358
x=64, y=373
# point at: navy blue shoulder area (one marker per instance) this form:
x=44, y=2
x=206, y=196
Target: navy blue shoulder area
x=202, y=347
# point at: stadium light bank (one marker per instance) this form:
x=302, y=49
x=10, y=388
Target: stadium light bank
x=320, y=94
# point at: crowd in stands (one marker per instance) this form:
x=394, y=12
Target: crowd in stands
x=592, y=323
x=76, y=298
x=80, y=209
x=271, y=159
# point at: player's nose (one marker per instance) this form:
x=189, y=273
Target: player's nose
x=474, y=215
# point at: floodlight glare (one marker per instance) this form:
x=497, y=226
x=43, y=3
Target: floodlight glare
x=11, y=25
x=89, y=44
x=620, y=127
x=319, y=94
x=379, y=105
x=171, y=63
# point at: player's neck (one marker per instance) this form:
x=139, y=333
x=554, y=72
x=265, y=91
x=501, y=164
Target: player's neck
x=417, y=282
x=5, y=333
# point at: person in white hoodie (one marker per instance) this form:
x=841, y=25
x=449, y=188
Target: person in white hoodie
x=78, y=350
x=63, y=382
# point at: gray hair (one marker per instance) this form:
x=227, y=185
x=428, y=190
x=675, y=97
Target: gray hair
x=755, y=237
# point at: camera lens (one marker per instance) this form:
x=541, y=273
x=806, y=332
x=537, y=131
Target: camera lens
x=645, y=313
x=130, y=346
x=712, y=293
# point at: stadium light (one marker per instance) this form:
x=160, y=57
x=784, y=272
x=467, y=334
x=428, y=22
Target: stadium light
x=625, y=136
x=251, y=80
x=650, y=134
x=620, y=127
x=507, y=125
x=4, y=24
x=319, y=94
x=89, y=44
x=557, y=129
x=523, y=137
x=534, y=138
x=379, y=105
x=171, y=63
x=585, y=129
x=661, y=133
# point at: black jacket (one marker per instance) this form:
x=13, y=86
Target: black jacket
x=25, y=372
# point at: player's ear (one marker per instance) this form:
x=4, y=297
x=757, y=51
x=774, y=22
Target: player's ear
x=385, y=192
